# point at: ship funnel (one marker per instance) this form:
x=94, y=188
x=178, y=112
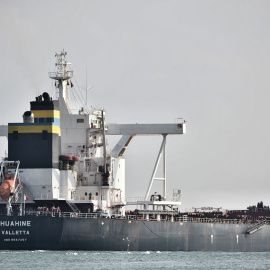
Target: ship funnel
x=46, y=96
x=28, y=117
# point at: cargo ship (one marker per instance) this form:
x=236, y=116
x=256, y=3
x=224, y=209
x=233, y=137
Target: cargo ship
x=61, y=189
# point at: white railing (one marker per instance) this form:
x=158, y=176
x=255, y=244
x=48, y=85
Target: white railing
x=93, y=198
x=66, y=197
x=43, y=196
x=50, y=196
x=61, y=74
x=136, y=199
x=141, y=217
x=208, y=220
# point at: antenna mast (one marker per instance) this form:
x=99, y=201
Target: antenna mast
x=62, y=75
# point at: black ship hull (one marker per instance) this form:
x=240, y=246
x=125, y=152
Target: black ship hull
x=58, y=233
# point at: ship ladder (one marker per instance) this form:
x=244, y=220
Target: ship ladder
x=94, y=162
x=14, y=198
x=255, y=228
x=73, y=206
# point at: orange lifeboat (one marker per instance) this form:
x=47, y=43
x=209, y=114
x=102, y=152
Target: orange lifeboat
x=6, y=186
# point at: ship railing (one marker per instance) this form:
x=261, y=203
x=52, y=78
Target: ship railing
x=209, y=220
x=80, y=215
x=39, y=213
x=86, y=197
x=138, y=217
x=92, y=197
x=139, y=199
x=96, y=215
x=43, y=196
x=66, y=214
x=83, y=215
x=58, y=74
x=51, y=196
x=72, y=198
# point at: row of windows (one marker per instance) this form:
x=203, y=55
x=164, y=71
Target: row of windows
x=51, y=120
x=44, y=120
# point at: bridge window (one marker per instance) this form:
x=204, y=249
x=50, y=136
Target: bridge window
x=50, y=120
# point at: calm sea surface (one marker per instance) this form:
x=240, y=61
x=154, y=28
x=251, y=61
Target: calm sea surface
x=132, y=260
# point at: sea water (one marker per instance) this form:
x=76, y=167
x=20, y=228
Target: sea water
x=65, y=260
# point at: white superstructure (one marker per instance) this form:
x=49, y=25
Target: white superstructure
x=95, y=177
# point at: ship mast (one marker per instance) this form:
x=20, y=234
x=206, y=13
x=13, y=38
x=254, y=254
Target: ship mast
x=62, y=76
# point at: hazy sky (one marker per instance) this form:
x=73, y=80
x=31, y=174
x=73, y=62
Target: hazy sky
x=153, y=61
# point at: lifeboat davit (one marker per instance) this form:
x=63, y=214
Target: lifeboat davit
x=6, y=186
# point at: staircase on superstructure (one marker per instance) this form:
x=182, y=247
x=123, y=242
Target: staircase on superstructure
x=73, y=206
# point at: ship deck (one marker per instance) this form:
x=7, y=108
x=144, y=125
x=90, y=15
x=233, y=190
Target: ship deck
x=164, y=218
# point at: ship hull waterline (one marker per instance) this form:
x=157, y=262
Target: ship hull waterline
x=56, y=233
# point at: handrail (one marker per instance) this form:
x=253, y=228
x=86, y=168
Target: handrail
x=140, y=217
x=136, y=199
x=209, y=220
x=94, y=197
x=66, y=197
